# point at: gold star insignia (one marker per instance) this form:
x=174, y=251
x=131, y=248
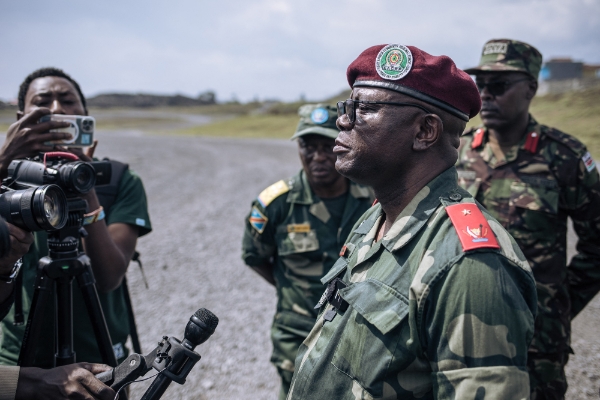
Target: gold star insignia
x=466, y=212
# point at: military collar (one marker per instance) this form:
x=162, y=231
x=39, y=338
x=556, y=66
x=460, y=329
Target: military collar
x=414, y=216
x=301, y=193
x=491, y=157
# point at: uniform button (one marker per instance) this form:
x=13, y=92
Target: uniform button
x=455, y=197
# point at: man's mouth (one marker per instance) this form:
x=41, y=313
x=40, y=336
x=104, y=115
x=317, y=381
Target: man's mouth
x=340, y=147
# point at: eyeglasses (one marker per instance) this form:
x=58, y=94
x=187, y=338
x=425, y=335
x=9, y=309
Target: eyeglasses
x=497, y=88
x=348, y=107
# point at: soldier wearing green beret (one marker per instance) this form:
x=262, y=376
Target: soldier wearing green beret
x=532, y=177
x=295, y=230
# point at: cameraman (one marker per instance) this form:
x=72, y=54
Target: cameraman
x=112, y=236
x=73, y=381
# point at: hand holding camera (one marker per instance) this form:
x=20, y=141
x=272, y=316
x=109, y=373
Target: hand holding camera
x=28, y=137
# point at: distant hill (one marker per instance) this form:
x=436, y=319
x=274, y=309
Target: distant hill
x=142, y=100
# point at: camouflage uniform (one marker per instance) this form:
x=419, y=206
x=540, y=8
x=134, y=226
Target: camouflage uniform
x=424, y=319
x=531, y=193
x=291, y=228
x=531, y=189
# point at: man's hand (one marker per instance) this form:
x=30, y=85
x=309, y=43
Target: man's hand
x=20, y=240
x=76, y=381
x=26, y=138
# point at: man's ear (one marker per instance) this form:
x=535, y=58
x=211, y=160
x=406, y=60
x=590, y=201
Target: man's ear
x=19, y=115
x=431, y=128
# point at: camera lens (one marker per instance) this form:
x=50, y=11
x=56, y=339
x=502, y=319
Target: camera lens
x=35, y=209
x=78, y=176
x=52, y=208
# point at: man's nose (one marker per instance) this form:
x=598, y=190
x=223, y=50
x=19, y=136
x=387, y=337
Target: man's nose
x=320, y=154
x=343, y=123
x=56, y=107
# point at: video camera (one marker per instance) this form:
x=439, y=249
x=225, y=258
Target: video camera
x=42, y=192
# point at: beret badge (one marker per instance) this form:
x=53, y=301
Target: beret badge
x=393, y=62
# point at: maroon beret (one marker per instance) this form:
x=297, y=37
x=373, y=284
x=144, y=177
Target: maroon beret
x=411, y=71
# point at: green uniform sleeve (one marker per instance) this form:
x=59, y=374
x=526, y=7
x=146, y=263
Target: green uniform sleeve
x=130, y=206
x=259, y=246
x=477, y=325
x=584, y=271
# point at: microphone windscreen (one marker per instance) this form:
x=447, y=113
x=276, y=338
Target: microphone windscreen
x=207, y=318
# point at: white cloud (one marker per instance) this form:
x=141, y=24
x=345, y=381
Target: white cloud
x=267, y=48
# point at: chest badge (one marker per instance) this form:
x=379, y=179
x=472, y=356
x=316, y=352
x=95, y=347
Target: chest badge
x=298, y=228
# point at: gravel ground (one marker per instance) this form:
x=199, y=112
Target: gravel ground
x=199, y=192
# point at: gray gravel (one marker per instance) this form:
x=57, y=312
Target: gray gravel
x=199, y=192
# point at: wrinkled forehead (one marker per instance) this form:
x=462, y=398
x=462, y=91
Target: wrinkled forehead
x=51, y=84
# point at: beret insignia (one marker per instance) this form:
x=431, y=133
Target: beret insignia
x=393, y=62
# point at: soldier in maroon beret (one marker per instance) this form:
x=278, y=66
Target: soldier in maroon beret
x=431, y=297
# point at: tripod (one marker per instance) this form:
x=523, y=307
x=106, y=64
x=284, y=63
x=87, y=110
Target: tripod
x=64, y=263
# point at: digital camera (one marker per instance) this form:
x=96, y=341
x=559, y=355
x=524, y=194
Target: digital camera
x=81, y=127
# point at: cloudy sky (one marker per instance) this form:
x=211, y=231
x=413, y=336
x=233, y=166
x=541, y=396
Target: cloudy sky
x=266, y=49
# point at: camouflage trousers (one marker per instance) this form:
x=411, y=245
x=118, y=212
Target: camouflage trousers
x=547, y=378
x=288, y=331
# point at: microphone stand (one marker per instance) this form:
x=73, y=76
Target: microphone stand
x=173, y=359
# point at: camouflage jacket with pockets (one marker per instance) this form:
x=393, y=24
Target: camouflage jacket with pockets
x=531, y=189
x=299, y=238
x=425, y=319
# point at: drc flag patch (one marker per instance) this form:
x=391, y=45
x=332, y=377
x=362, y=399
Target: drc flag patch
x=258, y=220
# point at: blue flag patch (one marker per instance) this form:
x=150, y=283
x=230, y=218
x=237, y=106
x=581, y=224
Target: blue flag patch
x=258, y=220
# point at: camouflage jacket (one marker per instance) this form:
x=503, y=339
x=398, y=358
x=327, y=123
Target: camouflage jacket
x=531, y=190
x=291, y=228
x=424, y=319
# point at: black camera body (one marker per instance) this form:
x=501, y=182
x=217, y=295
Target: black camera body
x=74, y=177
x=43, y=193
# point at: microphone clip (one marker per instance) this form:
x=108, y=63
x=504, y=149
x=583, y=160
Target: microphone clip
x=175, y=360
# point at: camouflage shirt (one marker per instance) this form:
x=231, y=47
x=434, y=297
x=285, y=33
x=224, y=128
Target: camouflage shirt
x=531, y=189
x=424, y=319
x=292, y=229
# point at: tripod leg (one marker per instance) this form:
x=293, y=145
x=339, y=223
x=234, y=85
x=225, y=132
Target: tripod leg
x=64, y=322
x=41, y=297
x=87, y=284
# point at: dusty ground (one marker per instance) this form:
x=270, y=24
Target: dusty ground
x=199, y=192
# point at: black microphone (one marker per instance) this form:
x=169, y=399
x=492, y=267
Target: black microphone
x=199, y=328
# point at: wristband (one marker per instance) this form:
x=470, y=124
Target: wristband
x=94, y=216
x=13, y=273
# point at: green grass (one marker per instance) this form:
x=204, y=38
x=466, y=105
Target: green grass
x=576, y=113
x=280, y=126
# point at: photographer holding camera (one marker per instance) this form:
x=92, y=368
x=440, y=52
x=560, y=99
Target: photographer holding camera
x=112, y=231
x=72, y=381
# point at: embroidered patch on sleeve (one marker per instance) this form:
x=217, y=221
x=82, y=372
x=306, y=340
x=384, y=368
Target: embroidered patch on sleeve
x=588, y=161
x=471, y=226
x=258, y=220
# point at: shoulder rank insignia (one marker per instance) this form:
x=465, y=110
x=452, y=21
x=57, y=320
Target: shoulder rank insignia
x=477, y=138
x=272, y=192
x=531, y=143
x=588, y=161
x=258, y=220
x=471, y=226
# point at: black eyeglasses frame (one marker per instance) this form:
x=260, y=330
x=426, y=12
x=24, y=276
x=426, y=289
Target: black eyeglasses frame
x=344, y=106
